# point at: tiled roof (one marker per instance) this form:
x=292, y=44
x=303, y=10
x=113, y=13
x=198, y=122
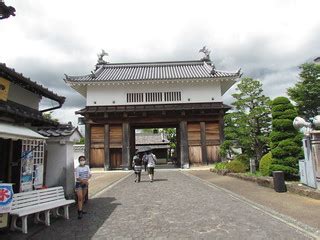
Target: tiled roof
x=62, y=130
x=78, y=147
x=23, y=113
x=153, y=71
x=18, y=78
x=151, y=138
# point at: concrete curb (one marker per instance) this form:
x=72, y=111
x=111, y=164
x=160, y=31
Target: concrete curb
x=268, y=182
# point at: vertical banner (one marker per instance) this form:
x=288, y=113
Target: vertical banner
x=26, y=171
x=38, y=176
x=6, y=197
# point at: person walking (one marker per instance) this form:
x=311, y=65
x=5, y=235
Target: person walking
x=151, y=163
x=145, y=161
x=83, y=174
x=137, y=166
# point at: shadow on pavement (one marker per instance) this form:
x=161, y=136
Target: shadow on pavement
x=155, y=180
x=98, y=211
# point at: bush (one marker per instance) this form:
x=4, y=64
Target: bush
x=220, y=165
x=265, y=163
x=285, y=140
x=244, y=159
x=236, y=166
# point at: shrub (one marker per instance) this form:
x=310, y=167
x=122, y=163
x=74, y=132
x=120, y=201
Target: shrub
x=236, y=166
x=265, y=163
x=244, y=159
x=220, y=165
x=285, y=140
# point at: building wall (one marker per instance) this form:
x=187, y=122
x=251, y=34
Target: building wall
x=60, y=166
x=190, y=92
x=24, y=97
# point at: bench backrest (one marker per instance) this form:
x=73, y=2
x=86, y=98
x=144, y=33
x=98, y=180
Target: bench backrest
x=36, y=197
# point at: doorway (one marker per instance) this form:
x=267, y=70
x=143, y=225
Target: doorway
x=161, y=139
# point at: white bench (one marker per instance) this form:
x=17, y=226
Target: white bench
x=36, y=202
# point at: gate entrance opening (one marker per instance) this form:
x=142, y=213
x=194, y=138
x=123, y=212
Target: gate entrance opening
x=112, y=136
x=161, y=141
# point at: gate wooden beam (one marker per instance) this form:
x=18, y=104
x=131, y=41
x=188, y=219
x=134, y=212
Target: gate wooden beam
x=125, y=146
x=106, y=147
x=204, y=155
x=184, y=149
x=87, y=145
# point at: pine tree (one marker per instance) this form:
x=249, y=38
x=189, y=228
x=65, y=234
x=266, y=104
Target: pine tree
x=248, y=126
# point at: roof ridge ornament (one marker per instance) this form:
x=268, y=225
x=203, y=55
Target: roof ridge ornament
x=101, y=61
x=6, y=11
x=206, y=52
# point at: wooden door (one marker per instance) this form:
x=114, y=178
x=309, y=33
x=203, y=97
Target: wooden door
x=97, y=147
x=213, y=141
x=194, y=142
x=97, y=157
x=115, y=158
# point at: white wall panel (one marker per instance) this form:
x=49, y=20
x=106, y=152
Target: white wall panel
x=117, y=94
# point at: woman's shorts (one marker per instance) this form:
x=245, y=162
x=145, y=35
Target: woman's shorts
x=81, y=186
x=151, y=170
x=137, y=169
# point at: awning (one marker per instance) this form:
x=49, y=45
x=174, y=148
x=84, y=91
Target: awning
x=15, y=132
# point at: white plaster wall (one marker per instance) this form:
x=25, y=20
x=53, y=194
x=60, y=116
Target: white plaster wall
x=55, y=164
x=24, y=97
x=60, y=166
x=70, y=177
x=195, y=91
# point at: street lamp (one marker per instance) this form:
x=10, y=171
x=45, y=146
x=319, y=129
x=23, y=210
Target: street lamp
x=6, y=11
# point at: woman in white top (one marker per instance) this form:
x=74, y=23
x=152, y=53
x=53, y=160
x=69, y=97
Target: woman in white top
x=82, y=176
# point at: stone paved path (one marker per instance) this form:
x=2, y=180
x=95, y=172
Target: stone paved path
x=174, y=206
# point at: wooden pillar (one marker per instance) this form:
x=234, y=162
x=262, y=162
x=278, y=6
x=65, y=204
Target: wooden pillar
x=203, y=143
x=221, y=126
x=125, y=146
x=87, y=145
x=106, y=147
x=132, y=144
x=184, y=149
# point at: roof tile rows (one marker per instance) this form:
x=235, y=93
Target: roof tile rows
x=60, y=131
x=153, y=71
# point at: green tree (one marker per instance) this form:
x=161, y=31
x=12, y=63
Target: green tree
x=285, y=140
x=48, y=116
x=305, y=93
x=81, y=141
x=248, y=126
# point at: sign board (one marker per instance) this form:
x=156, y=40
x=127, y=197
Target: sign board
x=26, y=171
x=4, y=89
x=6, y=197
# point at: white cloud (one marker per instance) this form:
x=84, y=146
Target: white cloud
x=268, y=39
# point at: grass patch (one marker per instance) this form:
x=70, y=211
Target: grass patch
x=256, y=174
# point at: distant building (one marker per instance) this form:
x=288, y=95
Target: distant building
x=158, y=142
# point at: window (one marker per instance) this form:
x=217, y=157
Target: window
x=172, y=96
x=134, y=97
x=154, y=97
